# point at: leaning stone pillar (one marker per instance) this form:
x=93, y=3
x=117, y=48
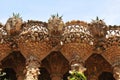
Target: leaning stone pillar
x=32, y=69
x=116, y=72
x=77, y=67
x=77, y=64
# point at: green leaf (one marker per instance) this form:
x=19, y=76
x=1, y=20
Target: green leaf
x=75, y=75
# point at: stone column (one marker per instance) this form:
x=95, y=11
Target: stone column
x=77, y=64
x=32, y=68
x=56, y=76
x=20, y=71
x=77, y=67
x=116, y=72
x=20, y=76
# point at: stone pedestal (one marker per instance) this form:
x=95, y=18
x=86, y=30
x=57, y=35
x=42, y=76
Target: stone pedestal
x=32, y=68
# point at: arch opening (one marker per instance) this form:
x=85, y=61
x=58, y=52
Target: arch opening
x=96, y=64
x=56, y=64
x=65, y=76
x=106, y=76
x=13, y=60
x=44, y=74
x=10, y=74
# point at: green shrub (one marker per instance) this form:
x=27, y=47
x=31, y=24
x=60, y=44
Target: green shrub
x=75, y=75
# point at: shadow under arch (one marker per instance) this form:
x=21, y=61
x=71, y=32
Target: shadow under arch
x=14, y=59
x=44, y=74
x=66, y=75
x=96, y=64
x=10, y=74
x=106, y=76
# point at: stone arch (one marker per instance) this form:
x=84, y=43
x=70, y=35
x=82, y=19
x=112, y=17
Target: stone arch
x=106, y=76
x=112, y=54
x=16, y=61
x=38, y=49
x=82, y=49
x=4, y=51
x=13, y=59
x=56, y=64
x=95, y=65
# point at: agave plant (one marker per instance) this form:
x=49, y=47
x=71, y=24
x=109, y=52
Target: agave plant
x=17, y=15
x=98, y=21
x=55, y=24
x=13, y=24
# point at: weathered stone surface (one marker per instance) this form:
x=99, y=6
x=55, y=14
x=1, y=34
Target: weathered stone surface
x=112, y=54
x=32, y=68
x=5, y=50
x=72, y=38
x=71, y=49
x=38, y=49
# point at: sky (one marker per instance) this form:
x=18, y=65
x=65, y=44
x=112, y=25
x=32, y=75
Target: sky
x=85, y=10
